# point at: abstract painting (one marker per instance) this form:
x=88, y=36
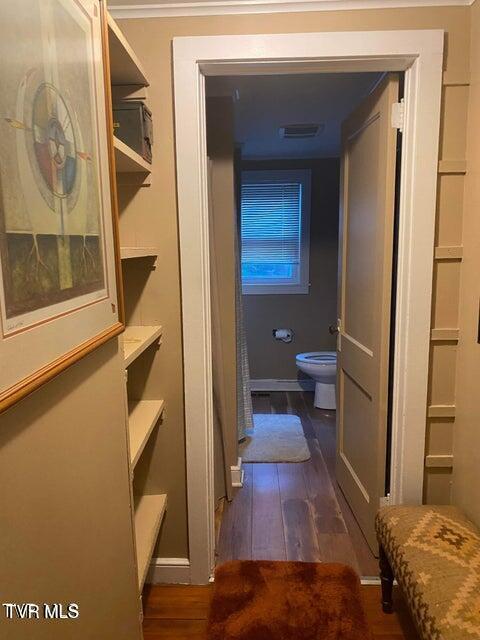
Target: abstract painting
x=57, y=224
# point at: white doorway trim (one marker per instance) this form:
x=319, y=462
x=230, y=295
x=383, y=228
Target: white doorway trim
x=420, y=54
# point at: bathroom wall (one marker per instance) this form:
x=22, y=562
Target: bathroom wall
x=309, y=315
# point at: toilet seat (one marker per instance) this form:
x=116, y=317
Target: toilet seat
x=322, y=367
x=318, y=358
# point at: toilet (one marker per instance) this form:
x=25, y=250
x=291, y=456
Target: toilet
x=322, y=367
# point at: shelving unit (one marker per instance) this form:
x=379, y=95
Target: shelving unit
x=144, y=402
x=143, y=416
x=128, y=253
x=127, y=160
x=125, y=67
x=149, y=513
x=136, y=340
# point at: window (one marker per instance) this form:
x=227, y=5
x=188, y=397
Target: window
x=275, y=220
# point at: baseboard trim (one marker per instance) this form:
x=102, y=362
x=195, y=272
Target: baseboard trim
x=272, y=384
x=169, y=571
x=237, y=473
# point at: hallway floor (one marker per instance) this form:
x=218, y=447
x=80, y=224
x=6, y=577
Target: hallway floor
x=179, y=612
x=295, y=511
x=284, y=511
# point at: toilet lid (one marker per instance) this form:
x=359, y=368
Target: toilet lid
x=319, y=357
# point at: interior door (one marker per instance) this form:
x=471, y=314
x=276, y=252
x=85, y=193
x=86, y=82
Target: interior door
x=367, y=202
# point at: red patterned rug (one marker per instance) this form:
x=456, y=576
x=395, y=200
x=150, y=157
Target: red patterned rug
x=264, y=600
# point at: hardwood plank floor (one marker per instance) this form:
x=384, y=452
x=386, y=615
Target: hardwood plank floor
x=175, y=612
x=301, y=541
x=323, y=423
x=283, y=512
x=295, y=511
x=235, y=538
x=268, y=537
x=176, y=602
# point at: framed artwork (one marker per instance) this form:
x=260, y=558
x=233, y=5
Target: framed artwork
x=60, y=283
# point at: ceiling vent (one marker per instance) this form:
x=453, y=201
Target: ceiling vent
x=300, y=130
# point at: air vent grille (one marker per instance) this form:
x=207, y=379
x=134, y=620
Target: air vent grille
x=300, y=130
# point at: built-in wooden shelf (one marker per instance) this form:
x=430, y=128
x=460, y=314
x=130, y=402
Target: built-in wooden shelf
x=449, y=253
x=128, y=79
x=125, y=67
x=452, y=166
x=143, y=416
x=136, y=340
x=149, y=513
x=126, y=253
x=127, y=160
x=444, y=335
x=456, y=79
x=439, y=461
x=441, y=411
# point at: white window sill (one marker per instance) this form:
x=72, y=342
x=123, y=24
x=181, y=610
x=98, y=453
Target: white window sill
x=275, y=289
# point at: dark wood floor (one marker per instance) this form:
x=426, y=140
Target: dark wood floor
x=180, y=612
x=284, y=511
x=295, y=511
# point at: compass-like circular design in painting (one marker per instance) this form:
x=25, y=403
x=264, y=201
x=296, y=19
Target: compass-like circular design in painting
x=54, y=142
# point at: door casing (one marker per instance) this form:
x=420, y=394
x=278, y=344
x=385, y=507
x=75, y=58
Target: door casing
x=419, y=53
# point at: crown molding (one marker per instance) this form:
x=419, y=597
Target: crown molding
x=232, y=7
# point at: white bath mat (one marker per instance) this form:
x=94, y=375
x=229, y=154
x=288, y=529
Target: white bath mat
x=275, y=438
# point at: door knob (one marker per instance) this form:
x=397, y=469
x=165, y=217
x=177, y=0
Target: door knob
x=333, y=329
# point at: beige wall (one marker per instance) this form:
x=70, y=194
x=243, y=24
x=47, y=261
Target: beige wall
x=66, y=531
x=466, y=485
x=152, y=40
x=309, y=315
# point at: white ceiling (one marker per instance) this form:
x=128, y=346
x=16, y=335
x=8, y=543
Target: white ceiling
x=266, y=103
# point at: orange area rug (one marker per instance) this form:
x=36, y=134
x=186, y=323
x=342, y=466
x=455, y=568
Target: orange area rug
x=265, y=600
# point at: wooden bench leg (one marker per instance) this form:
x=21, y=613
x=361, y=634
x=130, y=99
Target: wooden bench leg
x=386, y=577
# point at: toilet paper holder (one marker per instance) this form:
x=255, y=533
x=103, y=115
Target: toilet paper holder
x=285, y=335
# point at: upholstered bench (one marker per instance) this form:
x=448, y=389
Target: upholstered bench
x=434, y=554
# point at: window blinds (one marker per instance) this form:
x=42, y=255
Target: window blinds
x=271, y=220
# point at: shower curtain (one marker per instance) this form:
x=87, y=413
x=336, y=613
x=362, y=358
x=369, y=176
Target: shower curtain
x=229, y=427
x=232, y=407
x=244, y=397
x=221, y=440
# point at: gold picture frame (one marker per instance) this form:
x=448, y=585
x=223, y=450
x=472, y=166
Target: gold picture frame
x=60, y=273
